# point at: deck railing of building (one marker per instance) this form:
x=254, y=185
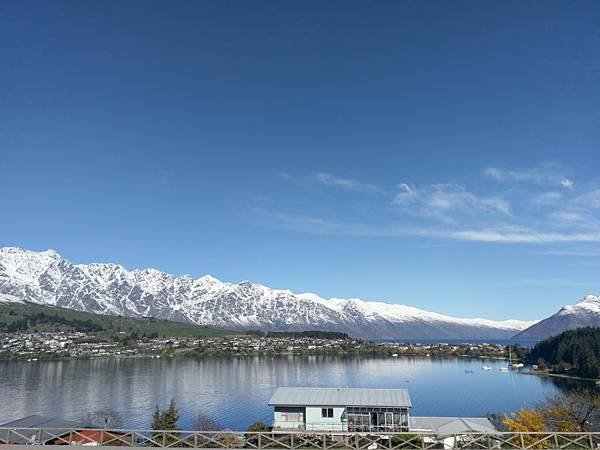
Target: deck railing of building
x=292, y=440
x=283, y=425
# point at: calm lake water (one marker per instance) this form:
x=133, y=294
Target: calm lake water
x=235, y=391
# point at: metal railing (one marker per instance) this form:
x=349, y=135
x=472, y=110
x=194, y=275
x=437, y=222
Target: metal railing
x=294, y=425
x=292, y=440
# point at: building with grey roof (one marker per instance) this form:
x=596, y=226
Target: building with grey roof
x=20, y=430
x=443, y=426
x=363, y=410
x=341, y=409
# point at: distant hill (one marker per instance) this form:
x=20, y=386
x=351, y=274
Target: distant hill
x=573, y=351
x=585, y=313
x=28, y=317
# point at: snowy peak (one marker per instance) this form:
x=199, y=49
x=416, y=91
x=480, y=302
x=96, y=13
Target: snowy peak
x=584, y=313
x=590, y=299
x=46, y=278
x=588, y=303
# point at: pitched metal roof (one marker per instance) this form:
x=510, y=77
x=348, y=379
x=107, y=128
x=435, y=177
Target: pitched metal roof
x=305, y=396
x=56, y=427
x=451, y=425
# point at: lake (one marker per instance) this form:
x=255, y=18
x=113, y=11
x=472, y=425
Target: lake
x=235, y=391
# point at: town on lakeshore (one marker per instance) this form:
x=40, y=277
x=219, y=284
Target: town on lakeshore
x=61, y=345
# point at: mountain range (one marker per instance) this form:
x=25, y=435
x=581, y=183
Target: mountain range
x=47, y=278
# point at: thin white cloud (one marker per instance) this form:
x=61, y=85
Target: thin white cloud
x=566, y=183
x=578, y=253
x=590, y=199
x=554, y=282
x=446, y=202
x=523, y=215
x=547, y=198
x=542, y=174
x=530, y=236
x=330, y=179
x=316, y=225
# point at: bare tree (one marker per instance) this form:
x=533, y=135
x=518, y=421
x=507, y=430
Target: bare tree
x=206, y=423
x=103, y=418
x=578, y=410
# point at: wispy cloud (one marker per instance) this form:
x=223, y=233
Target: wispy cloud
x=446, y=201
x=547, y=198
x=542, y=174
x=317, y=225
x=554, y=282
x=573, y=252
x=531, y=214
x=329, y=179
x=523, y=236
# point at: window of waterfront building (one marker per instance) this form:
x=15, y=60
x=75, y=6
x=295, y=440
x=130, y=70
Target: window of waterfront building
x=292, y=417
x=326, y=412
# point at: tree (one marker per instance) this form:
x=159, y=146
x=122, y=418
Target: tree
x=103, y=418
x=252, y=437
x=574, y=411
x=165, y=420
x=528, y=420
x=574, y=351
x=258, y=427
x=205, y=423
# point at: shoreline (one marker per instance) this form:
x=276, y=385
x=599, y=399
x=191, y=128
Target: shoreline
x=37, y=358
x=541, y=373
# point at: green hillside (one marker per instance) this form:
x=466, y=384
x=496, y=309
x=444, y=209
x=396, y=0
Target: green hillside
x=29, y=317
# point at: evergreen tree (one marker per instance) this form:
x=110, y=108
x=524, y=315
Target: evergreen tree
x=165, y=420
x=576, y=351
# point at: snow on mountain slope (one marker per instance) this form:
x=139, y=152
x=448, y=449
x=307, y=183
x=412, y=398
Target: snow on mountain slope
x=584, y=313
x=46, y=278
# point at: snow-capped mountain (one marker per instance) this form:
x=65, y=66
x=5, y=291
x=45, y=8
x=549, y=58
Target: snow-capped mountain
x=584, y=313
x=47, y=278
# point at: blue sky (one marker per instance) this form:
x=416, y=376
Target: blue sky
x=438, y=154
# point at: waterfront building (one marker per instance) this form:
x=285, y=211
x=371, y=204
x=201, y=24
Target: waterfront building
x=341, y=409
x=363, y=410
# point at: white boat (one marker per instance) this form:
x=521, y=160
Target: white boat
x=486, y=368
x=503, y=369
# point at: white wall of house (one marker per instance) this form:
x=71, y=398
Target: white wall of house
x=316, y=421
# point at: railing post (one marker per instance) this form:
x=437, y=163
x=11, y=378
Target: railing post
x=101, y=437
x=195, y=440
x=522, y=441
x=292, y=440
x=259, y=439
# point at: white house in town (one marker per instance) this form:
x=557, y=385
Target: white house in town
x=341, y=409
x=364, y=410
